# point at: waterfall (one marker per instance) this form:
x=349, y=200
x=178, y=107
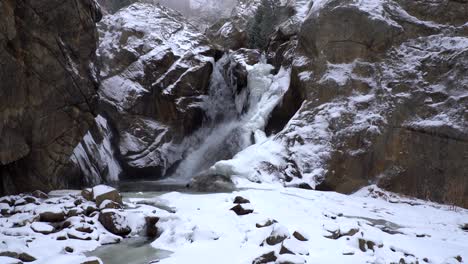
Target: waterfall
x=235, y=121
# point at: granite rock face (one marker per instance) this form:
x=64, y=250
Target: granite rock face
x=156, y=70
x=48, y=88
x=384, y=98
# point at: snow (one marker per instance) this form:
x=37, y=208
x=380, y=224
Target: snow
x=42, y=227
x=201, y=227
x=203, y=230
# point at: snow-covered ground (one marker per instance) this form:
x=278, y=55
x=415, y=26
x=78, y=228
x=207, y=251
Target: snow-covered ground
x=204, y=230
x=285, y=225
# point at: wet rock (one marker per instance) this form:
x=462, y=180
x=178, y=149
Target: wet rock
x=103, y=192
x=242, y=209
x=265, y=258
x=114, y=222
x=240, y=200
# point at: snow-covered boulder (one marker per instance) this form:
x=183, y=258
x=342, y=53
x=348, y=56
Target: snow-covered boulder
x=102, y=193
x=115, y=222
x=42, y=228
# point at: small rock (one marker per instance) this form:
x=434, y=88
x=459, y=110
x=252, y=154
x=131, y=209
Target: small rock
x=92, y=260
x=84, y=229
x=338, y=234
x=26, y=257
x=87, y=194
x=241, y=200
x=465, y=227
x=40, y=195
x=294, y=247
x=114, y=222
x=89, y=209
x=42, y=228
x=72, y=212
x=299, y=236
x=8, y=200
x=20, y=201
x=69, y=249
x=5, y=208
x=151, y=229
x=242, y=209
x=266, y=223
x=74, y=234
x=278, y=235
x=290, y=259
x=364, y=245
x=265, y=258
x=459, y=258
x=285, y=250
x=78, y=201
x=108, y=204
x=60, y=238
x=104, y=192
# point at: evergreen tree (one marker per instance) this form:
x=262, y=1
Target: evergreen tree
x=262, y=25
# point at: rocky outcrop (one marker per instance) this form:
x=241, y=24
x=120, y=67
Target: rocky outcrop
x=48, y=88
x=384, y=99
x=156, y=70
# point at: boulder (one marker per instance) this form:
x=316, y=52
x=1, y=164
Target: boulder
x=115, y=222
x=42, y=228
x=51, y=214
x=103, y=192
